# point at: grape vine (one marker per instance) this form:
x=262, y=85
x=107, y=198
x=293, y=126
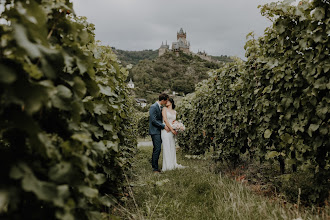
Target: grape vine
x=276, y=104
x=65, y=132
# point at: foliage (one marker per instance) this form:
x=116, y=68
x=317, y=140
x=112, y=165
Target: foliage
x=302, y=185
x=223, y=58
x=134, y=57
x=169, y=72
x=143, y=124
x=65, y=133
x=275, y=105
x=196, y=192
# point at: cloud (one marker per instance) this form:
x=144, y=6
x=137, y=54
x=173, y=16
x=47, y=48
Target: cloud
x=217, y=26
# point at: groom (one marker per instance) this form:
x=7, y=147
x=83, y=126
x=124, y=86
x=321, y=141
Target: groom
x=155, y=126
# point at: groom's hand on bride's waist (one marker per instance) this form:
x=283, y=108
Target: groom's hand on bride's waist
x=167, y=128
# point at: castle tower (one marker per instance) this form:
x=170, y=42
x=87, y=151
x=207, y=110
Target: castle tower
x=181, y=34
x=163, y=49
x=182, y=44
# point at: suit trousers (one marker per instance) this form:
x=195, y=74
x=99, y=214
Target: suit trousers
x=157, y=143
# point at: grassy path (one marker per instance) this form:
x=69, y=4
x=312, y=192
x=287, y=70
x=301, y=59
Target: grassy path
x=196, y=193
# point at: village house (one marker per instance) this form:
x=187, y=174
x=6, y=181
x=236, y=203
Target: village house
x=141, y=102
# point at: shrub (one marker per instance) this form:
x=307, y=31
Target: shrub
x=66, y=135
x=274, y=105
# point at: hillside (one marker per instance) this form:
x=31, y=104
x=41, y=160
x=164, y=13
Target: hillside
x=133, y=57
x=222, y=58
x=169, y=73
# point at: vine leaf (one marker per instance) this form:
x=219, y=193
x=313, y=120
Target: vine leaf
x=312, y=128
x=267, y=133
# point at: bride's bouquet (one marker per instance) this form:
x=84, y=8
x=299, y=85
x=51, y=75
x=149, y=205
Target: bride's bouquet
x=178, y=126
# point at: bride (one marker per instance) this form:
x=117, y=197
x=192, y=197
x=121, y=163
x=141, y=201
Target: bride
x=169, y=151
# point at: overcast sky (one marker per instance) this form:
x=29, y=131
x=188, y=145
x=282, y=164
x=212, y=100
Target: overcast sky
x=217, y=26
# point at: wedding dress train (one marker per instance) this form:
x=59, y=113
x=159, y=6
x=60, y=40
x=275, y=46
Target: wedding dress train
x=169, y=151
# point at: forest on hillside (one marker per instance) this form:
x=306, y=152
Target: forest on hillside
x=133, y=57
x=222, y=58
x=170, y=73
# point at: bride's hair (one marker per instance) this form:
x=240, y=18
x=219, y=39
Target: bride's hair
x=172, y=101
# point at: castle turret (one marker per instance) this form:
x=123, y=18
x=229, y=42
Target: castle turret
x=163, y=49
x=181, y=45
x=181, y=34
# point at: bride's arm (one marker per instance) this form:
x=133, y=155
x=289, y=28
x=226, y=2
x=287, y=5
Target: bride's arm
x=165, y=119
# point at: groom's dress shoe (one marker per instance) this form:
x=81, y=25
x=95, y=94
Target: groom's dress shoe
x=157, y=171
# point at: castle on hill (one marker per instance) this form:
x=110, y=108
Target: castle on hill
x=181, y=45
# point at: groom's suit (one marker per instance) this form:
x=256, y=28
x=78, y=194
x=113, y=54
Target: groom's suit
x=155, y=127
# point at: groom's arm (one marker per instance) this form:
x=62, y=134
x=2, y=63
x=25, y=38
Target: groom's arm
x=154, y=121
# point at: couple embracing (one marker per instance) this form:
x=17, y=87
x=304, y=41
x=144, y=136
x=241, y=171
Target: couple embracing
x=162, y=132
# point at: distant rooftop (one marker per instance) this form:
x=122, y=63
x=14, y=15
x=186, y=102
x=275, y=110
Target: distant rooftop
x=141, y=100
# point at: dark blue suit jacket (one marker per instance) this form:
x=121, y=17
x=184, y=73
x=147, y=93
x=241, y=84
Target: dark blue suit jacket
x=155, y=119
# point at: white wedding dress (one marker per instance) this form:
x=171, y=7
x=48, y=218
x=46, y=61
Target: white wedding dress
x=169, y=151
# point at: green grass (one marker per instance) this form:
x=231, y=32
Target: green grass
x=148, y=138
x=196, y=193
